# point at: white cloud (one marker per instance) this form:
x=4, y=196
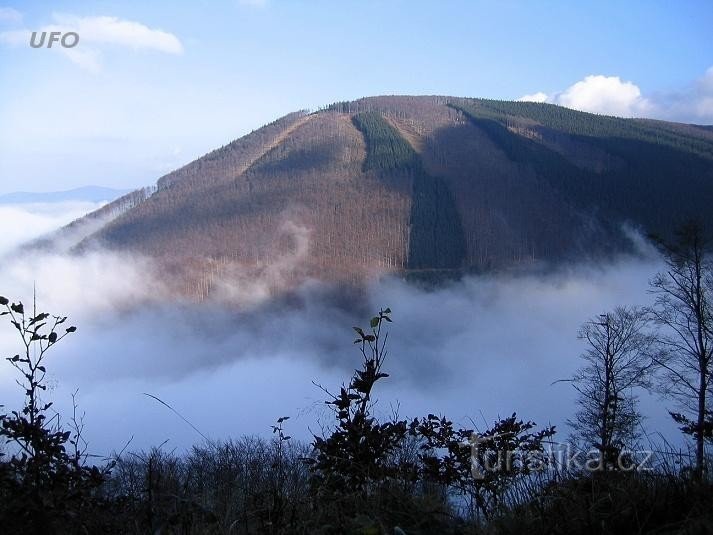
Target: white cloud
x=22, y=223
x=115, y=31
x=8, y=14
x=98, y=32
x=535, y=97
x=206, y=359
x=605, y=94
x=610, y=95
x=136, y=336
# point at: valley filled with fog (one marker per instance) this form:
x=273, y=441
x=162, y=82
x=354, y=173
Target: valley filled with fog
x=473, y=350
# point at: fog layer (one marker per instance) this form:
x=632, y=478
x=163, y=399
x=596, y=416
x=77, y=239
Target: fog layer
x=474, y=349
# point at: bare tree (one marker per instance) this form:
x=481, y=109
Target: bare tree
x=683, y=309
x=617, y=362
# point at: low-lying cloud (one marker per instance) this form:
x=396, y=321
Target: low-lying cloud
x=474, y=349
x=25, y=222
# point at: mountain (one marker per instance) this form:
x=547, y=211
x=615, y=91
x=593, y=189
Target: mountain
x=85, y=194
x=424, y=185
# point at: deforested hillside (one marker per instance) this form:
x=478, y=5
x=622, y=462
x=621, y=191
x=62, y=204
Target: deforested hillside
x=423, y=185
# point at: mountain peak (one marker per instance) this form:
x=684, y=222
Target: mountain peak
x=427, y=185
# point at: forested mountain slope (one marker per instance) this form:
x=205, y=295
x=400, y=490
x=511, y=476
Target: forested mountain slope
x=412, y=184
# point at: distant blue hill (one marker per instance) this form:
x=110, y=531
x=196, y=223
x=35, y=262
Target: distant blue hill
x=86, y=194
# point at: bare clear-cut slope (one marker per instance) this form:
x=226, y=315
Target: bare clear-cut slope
x=412, y=184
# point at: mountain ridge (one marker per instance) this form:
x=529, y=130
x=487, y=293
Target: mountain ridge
x=399, y=184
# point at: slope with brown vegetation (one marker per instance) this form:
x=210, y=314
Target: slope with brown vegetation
x=446, y=184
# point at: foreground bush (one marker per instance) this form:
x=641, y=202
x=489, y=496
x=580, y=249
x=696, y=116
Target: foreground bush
x=613, y=503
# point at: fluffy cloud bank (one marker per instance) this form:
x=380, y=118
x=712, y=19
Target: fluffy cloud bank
x=610, y=95
x=535, y=97
x=97, y=32
x=25, y=222
x=474, y=349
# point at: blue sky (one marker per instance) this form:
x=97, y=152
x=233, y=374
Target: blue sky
x=152, y=85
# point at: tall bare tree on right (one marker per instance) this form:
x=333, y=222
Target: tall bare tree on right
x=616, y=364
x=684, y=312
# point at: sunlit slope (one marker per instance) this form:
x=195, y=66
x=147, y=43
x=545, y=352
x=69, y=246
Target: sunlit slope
x=420, y=184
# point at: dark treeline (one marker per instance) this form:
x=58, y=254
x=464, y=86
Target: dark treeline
x=365, y=474
x=436, y=238
x=676, y=136
x=642, y=178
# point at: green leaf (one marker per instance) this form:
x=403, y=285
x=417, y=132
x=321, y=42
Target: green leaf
x=18, y=308
x=71, y=329
x=3, y=301
x=374, y=322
